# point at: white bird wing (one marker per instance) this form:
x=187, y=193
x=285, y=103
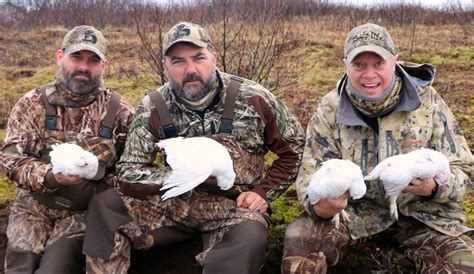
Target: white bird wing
x=183, y=180
x=73, y=160
x=334, y=178
x=193, y=160
x=223, y=166
x=92, y=166
x=395, y=173
x=358, y=189
x=188, y=173
x=432, y=163
x=316, y=190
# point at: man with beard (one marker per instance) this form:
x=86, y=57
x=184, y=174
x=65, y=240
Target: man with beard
x=47, y=221
x=383, y=107
x=198, y=100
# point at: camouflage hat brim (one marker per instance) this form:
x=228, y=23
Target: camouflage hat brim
x=84, y=46
x=385, y=54
x=195, y=42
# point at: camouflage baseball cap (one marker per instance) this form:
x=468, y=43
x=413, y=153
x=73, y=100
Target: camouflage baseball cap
x=369, y=38
x=186, y=32
x=85, y=38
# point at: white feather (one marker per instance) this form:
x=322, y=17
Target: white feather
x=193, y=160
x=398, y=171
x=73, y=160
x=333, y=179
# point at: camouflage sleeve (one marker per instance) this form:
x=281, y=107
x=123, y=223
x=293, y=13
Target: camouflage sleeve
x=285, y=137
x=320, y=146
x=136, y=163
x=20, y=155
x=448, y=138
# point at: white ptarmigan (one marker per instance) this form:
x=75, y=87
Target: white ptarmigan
x=73, y=160
x=396, y=172
x=193, y=160
x=333, y=179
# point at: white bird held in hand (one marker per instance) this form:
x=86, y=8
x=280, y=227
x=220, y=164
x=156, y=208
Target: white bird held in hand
x=193, y=160
x=73, y=160
x=333, y=179
x=398, y=171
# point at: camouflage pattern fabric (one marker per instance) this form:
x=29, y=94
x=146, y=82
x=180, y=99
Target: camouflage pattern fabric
x=431, y=125
x=197, y=210
x=312, y=246
x=248, y=166
x=33, y=226
x=26, y=137
x=261, y=123
x=422, y=119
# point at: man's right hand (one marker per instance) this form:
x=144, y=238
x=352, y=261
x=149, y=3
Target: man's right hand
x=67, y=180
x=326, y=208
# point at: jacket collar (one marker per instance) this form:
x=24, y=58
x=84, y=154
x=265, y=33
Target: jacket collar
x=413, y=76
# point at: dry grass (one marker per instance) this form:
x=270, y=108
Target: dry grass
x=27, y=59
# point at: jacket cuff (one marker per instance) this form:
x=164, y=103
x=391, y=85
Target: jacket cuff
x=259, y=190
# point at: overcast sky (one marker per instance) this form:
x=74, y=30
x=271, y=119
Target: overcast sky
x=468, y=4
x=427, y=3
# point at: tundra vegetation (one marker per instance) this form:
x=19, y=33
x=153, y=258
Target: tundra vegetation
x=293, y=47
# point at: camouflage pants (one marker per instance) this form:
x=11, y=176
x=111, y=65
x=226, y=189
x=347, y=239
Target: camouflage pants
x=201, y=212
x=33, y=227
x=311, y=246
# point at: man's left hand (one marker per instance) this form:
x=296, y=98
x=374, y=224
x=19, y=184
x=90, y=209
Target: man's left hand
x=252, y=201
x=421, y=187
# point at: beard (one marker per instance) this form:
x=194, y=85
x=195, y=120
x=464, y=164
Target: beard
x=79, y=86
x=196, y=90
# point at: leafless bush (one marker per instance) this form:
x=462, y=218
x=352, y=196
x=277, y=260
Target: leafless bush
x=251, y=37
x=121, y=12
x=99, y=13
x=464, y=18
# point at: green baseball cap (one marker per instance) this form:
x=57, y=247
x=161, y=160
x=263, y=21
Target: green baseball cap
x=85, y=38
x=368, y=38
x=186, y=32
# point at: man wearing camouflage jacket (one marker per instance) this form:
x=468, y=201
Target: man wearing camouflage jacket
x=381, y=108
x=47, y=221
x=197, y=101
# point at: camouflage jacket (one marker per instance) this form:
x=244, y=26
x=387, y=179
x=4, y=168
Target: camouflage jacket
x=26, y=137
x=261, y=123
x=421, y=119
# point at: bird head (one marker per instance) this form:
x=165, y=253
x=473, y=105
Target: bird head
x=444, y=178
x=441, y=162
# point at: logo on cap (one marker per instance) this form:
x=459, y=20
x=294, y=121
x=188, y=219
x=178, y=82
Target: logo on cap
x=368, y=35
x=89, y=36
x=181, y=30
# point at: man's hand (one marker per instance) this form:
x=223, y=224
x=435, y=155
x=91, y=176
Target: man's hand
x=252, y=201
x=67, y=180
x=327, y=208
x=421, y=187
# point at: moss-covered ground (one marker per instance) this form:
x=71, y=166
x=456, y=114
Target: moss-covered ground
x=27, y=60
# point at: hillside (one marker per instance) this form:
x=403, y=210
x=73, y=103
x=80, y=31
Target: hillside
x=312, y=60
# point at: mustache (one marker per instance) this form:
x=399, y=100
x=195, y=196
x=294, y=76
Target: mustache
x=82, y=72
x=192, y=77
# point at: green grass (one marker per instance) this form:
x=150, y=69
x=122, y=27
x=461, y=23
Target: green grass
x=318, y=55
